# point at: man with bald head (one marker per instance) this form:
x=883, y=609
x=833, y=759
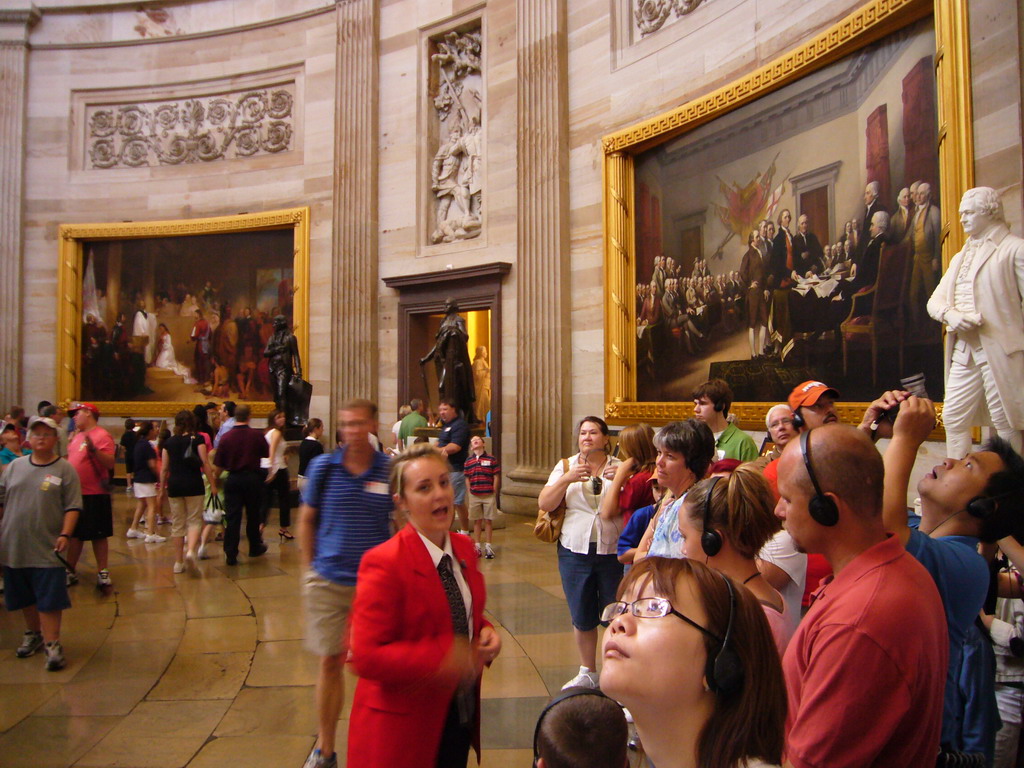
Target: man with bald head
x=870, y=655
x=872, y=205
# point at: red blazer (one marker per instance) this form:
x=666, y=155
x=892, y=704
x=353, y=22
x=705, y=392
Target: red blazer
x=401, y=630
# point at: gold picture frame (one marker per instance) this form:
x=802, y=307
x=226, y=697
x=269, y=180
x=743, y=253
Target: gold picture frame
x=72, y=241
x=859, y=29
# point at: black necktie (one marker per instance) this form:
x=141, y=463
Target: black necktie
x=460, y=622
x=464, y=700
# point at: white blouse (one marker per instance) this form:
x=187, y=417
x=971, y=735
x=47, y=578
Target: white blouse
x=583, y=523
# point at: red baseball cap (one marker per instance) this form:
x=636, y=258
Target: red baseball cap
x=809, y=392
x=75, y=407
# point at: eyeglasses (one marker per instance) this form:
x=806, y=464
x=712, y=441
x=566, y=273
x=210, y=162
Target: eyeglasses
x=650, y=608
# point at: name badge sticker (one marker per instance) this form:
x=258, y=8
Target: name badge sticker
x=485, y=463
x=375, y=487
x=53, y=480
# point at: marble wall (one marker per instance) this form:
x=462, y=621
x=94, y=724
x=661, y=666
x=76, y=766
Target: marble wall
x=605, y=78
x=60, y=189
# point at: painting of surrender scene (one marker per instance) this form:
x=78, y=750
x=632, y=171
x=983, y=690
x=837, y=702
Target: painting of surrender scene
x=797, y=237
x=183, y=318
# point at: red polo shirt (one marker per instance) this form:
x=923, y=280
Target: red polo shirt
x=866, y=669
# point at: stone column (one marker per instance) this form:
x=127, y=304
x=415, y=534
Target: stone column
x=543, y=365
x=15, y=21
x=354, y=357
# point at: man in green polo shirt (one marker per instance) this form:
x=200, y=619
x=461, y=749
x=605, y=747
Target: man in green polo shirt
x=413, y=421
x=711, y=401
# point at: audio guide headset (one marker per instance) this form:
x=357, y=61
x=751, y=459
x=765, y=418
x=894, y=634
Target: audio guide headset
x=985, y=506
x=558, y=698
x=724, y=671
x=823, y=509
x=710, y=540
x=798, y=418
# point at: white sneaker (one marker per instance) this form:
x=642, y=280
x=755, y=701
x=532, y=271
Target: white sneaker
x=464, y=533
x=135, y=534
x=201, y=552
x=103, y=579
x=179, y=567
x=586, y=678
x=488, y=552
x=479, y=550
x=155, y=538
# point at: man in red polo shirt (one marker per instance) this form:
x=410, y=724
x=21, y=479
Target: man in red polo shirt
x=866, y=668
x=91, y=452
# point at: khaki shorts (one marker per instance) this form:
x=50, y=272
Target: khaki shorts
x=186, y=512
x=482, y=507
x=327, y=607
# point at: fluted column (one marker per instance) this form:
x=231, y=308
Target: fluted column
x=15, y=21
x=543, y=367
x=354, y=355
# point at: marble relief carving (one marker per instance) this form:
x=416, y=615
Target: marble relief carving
x=190, y=130
x=456, y=176
x=652, y=15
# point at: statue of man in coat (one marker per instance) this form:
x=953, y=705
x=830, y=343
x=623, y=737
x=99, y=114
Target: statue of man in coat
x=980, y=301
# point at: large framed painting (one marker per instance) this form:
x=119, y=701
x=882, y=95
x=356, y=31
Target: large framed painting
x=160, y=315
x=791, y=225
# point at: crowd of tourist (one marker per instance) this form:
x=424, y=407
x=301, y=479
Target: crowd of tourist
x=753, y=601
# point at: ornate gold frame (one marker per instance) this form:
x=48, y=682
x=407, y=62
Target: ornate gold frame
x=69, y=329
x=869, y=23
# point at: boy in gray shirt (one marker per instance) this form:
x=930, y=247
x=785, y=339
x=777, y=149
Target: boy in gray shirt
x=40, y=498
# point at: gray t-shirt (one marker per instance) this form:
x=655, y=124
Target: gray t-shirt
x=35, y=499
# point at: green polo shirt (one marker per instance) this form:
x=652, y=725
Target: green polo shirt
x=734, y=443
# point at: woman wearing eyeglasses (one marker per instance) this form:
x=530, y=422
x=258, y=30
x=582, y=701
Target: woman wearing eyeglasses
x=587, y=549
x=724, y=523
x=691, y=656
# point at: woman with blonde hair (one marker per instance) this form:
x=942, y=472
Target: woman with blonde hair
x=419, y=639
x=690, y=654
x=724, y=523
x=630, y=489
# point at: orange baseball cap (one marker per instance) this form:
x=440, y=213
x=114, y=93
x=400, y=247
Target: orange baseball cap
x=809, y=392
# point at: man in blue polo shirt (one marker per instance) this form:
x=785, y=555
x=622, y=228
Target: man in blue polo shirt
x=346, y=510
x=453, y=442
x=963, y=501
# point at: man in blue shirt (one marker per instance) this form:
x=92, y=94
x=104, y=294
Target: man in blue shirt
x=977, y=498
x=453, y=442
x=346, y=510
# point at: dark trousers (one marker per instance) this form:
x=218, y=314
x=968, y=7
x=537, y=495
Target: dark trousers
x=242, y=490
x=456, y=739
x=281, y=485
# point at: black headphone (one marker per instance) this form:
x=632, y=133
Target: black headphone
x=724, y=671
x=798, y=419
x=983, y=507
x=565, y=693
x=823, y=509
x=710, y=540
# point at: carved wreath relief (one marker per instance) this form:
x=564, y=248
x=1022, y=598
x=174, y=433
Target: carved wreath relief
x=455, y=173
x=652, y=15
x=189, y=130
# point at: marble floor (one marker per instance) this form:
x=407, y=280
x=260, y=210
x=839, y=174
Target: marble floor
x=208, y=669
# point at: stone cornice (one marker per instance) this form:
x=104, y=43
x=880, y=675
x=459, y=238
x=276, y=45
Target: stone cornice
x=500, y=268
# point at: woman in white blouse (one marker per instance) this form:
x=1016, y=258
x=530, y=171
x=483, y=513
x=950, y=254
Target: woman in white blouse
x=587, y=560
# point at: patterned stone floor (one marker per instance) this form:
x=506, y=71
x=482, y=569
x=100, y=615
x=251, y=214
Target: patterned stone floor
x=205, y=670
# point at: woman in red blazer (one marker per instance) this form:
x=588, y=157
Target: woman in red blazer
x=417, y=701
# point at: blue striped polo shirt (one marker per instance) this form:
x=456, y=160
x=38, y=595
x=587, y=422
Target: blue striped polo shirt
x=353, y=513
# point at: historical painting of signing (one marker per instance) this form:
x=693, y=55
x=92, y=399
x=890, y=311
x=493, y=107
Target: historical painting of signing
x=797, y=237
x=182, y=319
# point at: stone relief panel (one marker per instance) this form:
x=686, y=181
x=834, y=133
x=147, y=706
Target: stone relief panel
x=180, y=131
x=456, y=105
x=651, y=15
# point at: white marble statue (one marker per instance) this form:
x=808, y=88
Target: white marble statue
x=979, y=301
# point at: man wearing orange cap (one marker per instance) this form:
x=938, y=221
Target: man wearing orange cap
x=91, y=453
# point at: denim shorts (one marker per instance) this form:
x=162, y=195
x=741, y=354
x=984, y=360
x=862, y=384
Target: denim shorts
x=44, y=588
x=589, y=582
x=458, y=481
